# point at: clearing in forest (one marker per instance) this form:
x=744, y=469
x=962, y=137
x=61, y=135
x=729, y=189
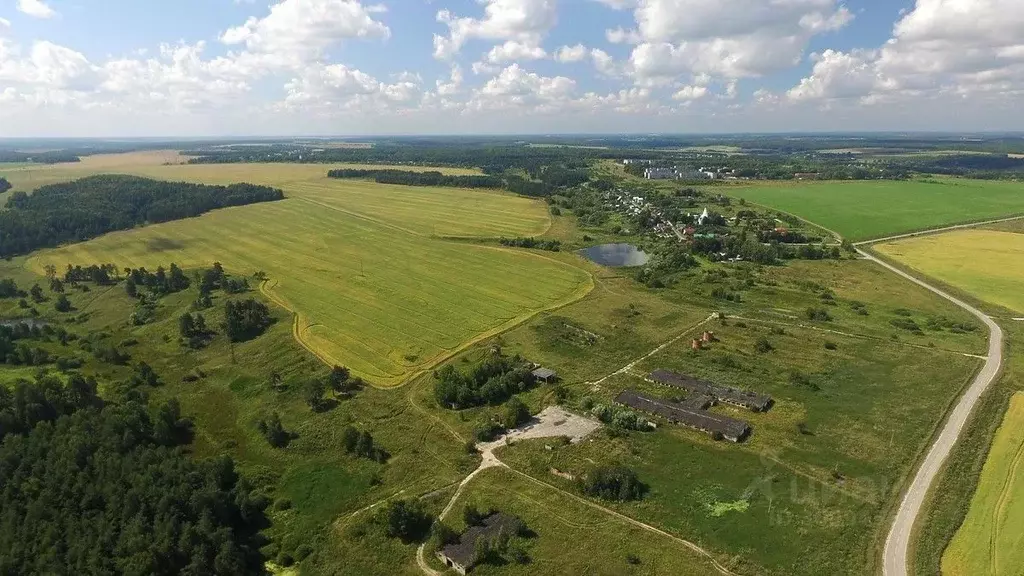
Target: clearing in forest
x=865, y=209
x=986, y=263
x=991, y=539
x=360, y=264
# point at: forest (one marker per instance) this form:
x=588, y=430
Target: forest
x=409, y=178
x=89, y=207
x=118, y=495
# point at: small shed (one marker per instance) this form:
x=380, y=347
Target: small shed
x=545, y=375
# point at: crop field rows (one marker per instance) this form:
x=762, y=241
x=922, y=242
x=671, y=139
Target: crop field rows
x=986, y=263
x=991, y=539
x=355, y=262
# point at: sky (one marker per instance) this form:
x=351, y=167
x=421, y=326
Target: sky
x=135, y=68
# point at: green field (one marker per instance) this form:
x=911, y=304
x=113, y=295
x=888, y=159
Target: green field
x=572, y=537
x=861, y=210
x=360, y=264
x=986, y=263
x=991, y=539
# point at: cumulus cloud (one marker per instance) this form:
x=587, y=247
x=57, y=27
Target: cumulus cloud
x=729, y=39
x=575, y=53
x=36, y=8
x=513, y=50
x=940, y=47
x=524, y=21
x=298, y=31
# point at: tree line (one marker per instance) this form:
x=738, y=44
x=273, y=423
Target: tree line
x=89, y=207
x=521, y=242
x=4, y=185
x=411, y=178
x=119, y=494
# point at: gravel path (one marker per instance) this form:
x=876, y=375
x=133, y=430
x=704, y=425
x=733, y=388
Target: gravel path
x=898, y=540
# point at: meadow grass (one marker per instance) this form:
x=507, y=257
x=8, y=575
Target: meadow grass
x=986, y=263
x=991, y=539
x=170, y=165
x=570, y=536
x=384, y=302
x=861, y=210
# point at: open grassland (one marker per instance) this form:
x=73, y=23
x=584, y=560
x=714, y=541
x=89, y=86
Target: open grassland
x=359, y=263
x=170, y=165
x=808, y=491
x=991, y=539
x=384, y=302
x=986, y=263
x=861, y=210
x=572, y=537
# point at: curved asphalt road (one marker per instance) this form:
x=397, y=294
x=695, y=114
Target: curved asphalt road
x=896, y=544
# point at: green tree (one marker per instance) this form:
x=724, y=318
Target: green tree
x=515, y=413
x=313, y=393
x=62, y=304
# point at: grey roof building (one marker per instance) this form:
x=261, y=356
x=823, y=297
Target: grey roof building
x=461, y=555
x=742, y=398
x=545, y=374
x=680, y=413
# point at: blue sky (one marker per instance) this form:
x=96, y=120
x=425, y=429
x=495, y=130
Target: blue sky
x=235, y=67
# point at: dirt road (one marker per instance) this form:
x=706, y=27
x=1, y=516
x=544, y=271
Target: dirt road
x=898, y=540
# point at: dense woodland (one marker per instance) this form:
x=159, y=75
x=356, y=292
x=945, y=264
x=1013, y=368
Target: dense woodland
x=410, y=178
x=104, y=489
x=86, y=208
x=50, y=157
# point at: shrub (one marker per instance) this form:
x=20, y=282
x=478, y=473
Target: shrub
x=818, y=314
x=515, y=413
x=907, y=324
x=829, y=345
x=763, y=346
x=406, y=520
x=612, y=483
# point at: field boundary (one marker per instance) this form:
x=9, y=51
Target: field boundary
x=931, y=231
x=585, y=287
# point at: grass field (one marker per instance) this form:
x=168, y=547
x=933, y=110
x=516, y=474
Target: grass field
x=991, y=539
x=361, y=264
x=862, y=210
x=572, y=537
x=169, y=165
x=986, y=263
x=384, y=302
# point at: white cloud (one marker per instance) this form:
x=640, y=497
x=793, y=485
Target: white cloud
x=727, y=38
x=515, y=87
x=687, y=93
x=618, y=4
x=948, y=48
x=575, y=53
x=525, y=21
x=36, y=8
x=513, y=50
x=298, y=31
x=622, y=36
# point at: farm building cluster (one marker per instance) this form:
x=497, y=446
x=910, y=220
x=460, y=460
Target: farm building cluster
x=693, y=410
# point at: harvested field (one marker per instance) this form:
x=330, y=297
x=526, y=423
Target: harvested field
x=359, y=263
x=986, y=263
x=991, y=539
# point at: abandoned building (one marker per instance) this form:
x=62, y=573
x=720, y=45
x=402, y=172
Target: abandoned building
x=461, y=554
x=686, y=414
x=742, y=398
x=545, y=375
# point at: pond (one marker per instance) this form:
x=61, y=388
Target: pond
x=616, y=255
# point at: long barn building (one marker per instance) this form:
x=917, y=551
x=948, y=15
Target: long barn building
x=681, y=413
x=742, y=398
